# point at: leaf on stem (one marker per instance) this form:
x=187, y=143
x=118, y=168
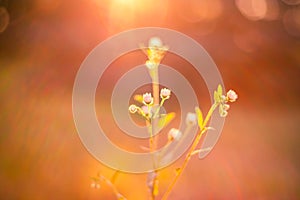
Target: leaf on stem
x=200, y=117
x=220, y=90
x=217, y=98
x=138, y=98
x=166, y=119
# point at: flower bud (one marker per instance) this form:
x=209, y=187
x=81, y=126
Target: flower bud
x=226, y=107
x=155, y=42
x=132, y=108
x=147, y=98
x=174, y=134
x=224, y=113
x=191, y=119
x=231, y=96
x=150, y=64
x=146, y=110
x=165, y=93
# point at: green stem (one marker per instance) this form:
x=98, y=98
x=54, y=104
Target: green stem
x=152, y=139
x=159, y=107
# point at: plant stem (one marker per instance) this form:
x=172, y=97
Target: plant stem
x=152, y=124
x=191, y=150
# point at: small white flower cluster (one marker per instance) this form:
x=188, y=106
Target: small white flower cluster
x=155, y=52
x=147, y=100
x=231, y=96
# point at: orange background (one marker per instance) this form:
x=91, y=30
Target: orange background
x=41, y=155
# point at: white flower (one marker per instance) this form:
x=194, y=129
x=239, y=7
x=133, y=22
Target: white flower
x=191, y=119
x=147, y=98
x=165, y=93
x=150, y=64
x=224, y=113
x=155, y=42
x=174, y=134
x=145, y=110
x=226, y=107
x=231, y=96
x=132, y=108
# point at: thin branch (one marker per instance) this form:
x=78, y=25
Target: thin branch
x=190, y=152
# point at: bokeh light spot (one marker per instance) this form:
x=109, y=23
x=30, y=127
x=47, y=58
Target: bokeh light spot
x=273, y=10
x=248, y=41
x=252, y=9
x=291, y=21
x=291, y=2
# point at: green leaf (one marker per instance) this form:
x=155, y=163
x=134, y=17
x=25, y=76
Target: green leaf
x=220, y=91
x=200, y=117
x=138, y=98
x=166, y=119
x=216, y=97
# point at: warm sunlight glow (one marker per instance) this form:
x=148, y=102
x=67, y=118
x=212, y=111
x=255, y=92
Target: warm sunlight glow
x=133, y=13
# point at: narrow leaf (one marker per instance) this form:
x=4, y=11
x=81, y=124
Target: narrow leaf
x=220, y=91
x=138, y=98
x=200, y=117
x=216, y=97
x=166, y=119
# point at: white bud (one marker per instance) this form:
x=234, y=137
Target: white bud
x=191, y=119
x=174, y=134
x=155, y=42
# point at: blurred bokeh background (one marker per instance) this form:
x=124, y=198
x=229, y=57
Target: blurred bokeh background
x=255, y=44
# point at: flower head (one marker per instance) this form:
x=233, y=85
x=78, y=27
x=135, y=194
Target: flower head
x=147, y=99
x=150, y=65
x=155, y=42
x=231, y=96
x=133, y=108
x=191, y=119
x=174, y=134
x=226, y=107
x=165, y=93
x=224, y=113
x=146, y=110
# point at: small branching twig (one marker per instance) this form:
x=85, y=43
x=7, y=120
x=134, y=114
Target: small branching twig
x=219, y=100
